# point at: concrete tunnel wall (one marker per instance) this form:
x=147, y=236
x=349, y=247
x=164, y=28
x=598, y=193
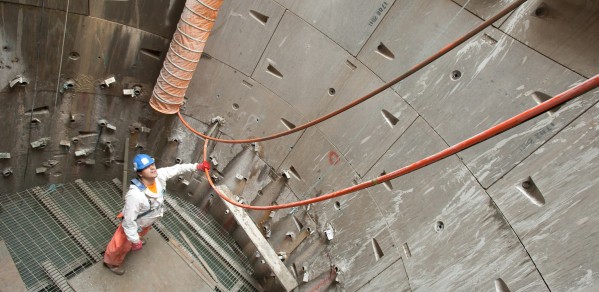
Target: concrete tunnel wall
x=460, y=224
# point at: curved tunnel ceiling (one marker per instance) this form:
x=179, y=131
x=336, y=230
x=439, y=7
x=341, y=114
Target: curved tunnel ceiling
x=514, y=211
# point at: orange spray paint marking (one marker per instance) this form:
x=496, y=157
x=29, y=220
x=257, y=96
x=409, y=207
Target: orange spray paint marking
x=333, y=157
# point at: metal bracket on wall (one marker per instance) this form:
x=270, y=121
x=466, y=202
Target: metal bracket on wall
x=18, y=80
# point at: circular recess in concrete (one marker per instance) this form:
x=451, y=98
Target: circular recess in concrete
x=439, y=226
x=5, y=48
x=74, y=56
x=235, y=106
x=331, y=91
x=337, y=205
x=456, y=75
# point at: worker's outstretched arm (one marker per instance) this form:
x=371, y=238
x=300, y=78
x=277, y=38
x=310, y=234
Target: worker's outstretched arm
x=166, y=173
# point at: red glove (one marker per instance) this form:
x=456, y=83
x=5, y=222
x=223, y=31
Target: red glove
x=203, y=166
x=136, y=246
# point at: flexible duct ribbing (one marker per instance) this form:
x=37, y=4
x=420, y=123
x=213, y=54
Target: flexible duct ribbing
x=185, y=51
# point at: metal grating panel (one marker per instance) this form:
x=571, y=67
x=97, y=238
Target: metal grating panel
x=231, y=267
x=35, y=236
x=94, y=226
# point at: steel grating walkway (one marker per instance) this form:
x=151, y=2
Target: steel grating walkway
x=54, y=232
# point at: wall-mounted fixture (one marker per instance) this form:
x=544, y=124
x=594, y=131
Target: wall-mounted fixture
x=138, y=127
x=50, y=163
x=65, y=143
x=133, y=92
x=530, y=190
x=175, y=139
x=109, y=147
x=69, y=84
x=7, y=172
x=39, y=144
x=306, y=276
x=218, y=119
x=286, y=174
x=329, y=233
x=18, y=80
x=106, y=83
x=282, y=255
x=213, y=160
x=105, y=124
x=257, y=147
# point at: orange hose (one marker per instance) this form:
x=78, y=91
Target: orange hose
x=414, y=69
x=503, y=126
x=184, y=53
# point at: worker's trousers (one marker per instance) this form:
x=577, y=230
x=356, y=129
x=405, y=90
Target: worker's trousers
x=119, y=246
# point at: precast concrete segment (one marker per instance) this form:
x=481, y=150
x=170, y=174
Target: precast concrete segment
x=241, y=33
x=559, y=99
x=185, y=51
x=560, y=235
x=348, y=23
x=249, y=108
x=450, y=235
x=567, y=32
x=394, y=278
x=159, y=18
x=414, y=69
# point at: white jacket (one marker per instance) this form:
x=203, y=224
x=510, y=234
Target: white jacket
x=137, y=201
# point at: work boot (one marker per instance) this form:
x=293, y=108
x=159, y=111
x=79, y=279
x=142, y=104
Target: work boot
x=115, y=269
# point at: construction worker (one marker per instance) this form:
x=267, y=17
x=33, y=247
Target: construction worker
x=144, y=205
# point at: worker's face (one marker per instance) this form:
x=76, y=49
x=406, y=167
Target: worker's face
x=149, y=172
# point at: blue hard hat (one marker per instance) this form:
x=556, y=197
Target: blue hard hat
x=142, y=161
